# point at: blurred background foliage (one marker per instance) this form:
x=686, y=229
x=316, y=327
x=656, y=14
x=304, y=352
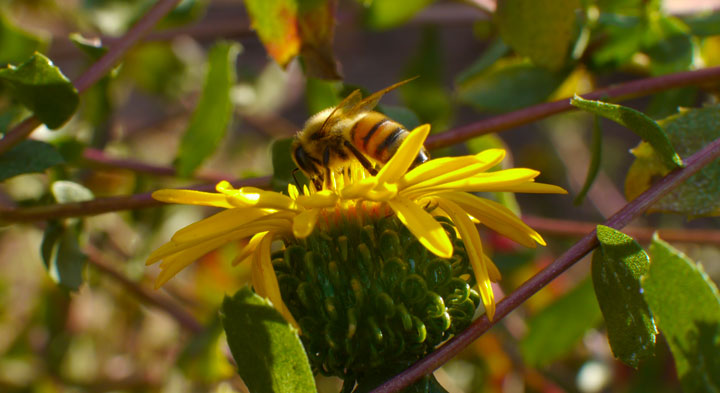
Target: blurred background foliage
x=206, y=94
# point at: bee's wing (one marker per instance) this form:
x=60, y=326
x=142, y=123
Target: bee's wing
x=352, y=105
x=347, y=104
x=371, y=101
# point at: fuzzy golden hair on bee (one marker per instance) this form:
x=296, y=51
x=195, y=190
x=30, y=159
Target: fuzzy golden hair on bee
x=349, y=131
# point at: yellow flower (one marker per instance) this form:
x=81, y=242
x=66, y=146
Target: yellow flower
x=441, y=185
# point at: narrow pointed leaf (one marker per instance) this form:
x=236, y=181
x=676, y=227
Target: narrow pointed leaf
x=28, y=156
x=559, y=327
x=686, y=306
x=213, y=113
x=266, y=348
x=617, y=266
x=41, y=87
x=541, y=30
x=637, y=122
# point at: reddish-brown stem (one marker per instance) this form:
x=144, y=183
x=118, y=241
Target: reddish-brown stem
x=97, y=158
x=98, y=69
x=551, y=226
x=494, y=124
x=186, y=320
x=642, y=87
x=105, y=205
x=620, y=219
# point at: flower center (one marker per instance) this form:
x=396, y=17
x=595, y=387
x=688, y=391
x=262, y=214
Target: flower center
x=368, y=296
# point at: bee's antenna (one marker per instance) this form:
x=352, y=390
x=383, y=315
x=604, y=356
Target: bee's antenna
x=297, y=184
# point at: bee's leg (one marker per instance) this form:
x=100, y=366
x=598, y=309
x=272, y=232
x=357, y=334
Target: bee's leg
x=360, y=157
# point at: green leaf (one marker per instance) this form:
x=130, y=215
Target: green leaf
x=214, y=111
x=62, y=256
x=275, y=22
x=17, y=45
x=595, y=157
x=66, y=192
x=91, y=47
x=41, y=87
x=283, y=165
x=266, y=348
x=617, y=266
x=28, y=156
x=509, y=85
x=492, y=53
x=672, y=49
x=426, y=95
x=686, y=307
x=321, y=94
x=540, y=30
x=386, y=14
x=669, y=102
x=703, y=24
x=556, y=329
x=689, y=131
x=637, y=122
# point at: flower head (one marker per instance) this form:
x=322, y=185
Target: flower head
x=441, y=186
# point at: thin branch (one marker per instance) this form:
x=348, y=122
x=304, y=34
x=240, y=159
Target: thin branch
x=555, y=227
x=105, y=205
x=494, y=124
x=620, y=219
x=186, y=320
x=625, y=91
x=98, y=69
x=98, y=158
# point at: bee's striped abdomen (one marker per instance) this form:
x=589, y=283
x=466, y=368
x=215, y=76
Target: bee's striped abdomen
x=377, y=136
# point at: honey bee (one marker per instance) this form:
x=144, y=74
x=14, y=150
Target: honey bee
x=349, y=130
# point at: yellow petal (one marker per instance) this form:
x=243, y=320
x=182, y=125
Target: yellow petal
x=358, y=189
x=496, y=217
x=191, y=197
x=448, y=165
x=180, y=260
x=320, y=199
x=265, y=281
x=493, y=271
x=490, y=181
x=224, y=221
x=473, y=246
x=304, y=223
x=428, y=231
x=536, y=188
x=404, y=156
x=247, y=251
x=261, y=225
x=255, y=197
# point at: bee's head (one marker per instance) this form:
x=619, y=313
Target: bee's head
x=304, y=161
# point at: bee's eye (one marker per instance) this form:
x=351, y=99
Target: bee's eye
x=303, y=161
